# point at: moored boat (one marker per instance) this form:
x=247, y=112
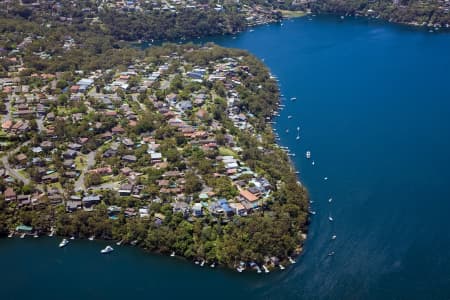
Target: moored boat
x=107, y=249
x=63, y=243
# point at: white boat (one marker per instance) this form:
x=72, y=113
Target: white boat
x=331, y=253
x=313, y=212
x=287, y=130
x=35, y=235
x=266, y=270
x=298, y=137
x=289, y=117
x=91, y=238
x=281, y=267
x=308, y=154
x=63, y=243
x=313, y=163
x=291, y=260
x=107, y=249
x=213, y=265
x=22, y=235
x=330, y=200
x=202, y=263
x=72, y=238
x=11, y=234
x=325, y=178
x=330, y=218
x=172, y=254
x=119, y=243
x=258, y=269
x=293, y=98
x=342, y=17
x=241, y=267
x=333, y=237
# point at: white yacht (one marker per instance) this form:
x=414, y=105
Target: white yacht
x=107, y=249
x=333, y=237
x=330, y=218
x=293, y=98
x=63, y=243
x=241, y=267
x=308, y=154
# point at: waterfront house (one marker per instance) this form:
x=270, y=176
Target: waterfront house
x=10, y=195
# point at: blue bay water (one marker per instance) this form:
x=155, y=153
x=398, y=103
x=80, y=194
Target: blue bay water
x=373, y=105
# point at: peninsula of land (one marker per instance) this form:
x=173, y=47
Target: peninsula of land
x=169, y=149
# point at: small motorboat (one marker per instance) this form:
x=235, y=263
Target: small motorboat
x=72, y=238
x=293, y=98
x=107, y=249
x=35, y=235
x=291, y=260
x=333, y=237
x=11, y=234
x=331, y=253
x=266, y=270
x=330, y=200
x=313, y=212
x=119, y=243
x=281, y=267
x=91, y=238
x=134, y=243
x=22, y=235
x=202, y=263
x=172, y=254
x=289, y=117
x=325, y=178
x=63, y=243
x=213, y=265
x=330, y=218
x=308, y=154
x=313, y=163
